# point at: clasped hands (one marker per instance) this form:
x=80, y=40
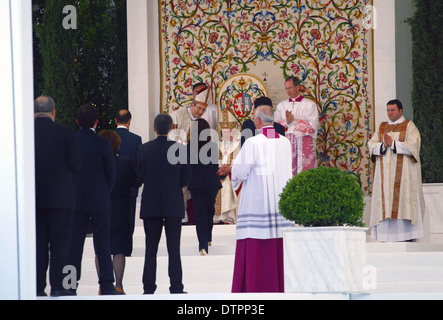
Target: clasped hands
x=388, y=140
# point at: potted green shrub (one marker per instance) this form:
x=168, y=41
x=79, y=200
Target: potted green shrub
x=326, y=251
x=323, y=197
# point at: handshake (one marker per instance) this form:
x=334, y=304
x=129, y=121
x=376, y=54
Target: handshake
x=224, y=171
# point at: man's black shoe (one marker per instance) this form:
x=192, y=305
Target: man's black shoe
x=62, y=293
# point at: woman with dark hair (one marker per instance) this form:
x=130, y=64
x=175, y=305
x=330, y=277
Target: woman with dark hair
x=205, y=182
x=121, y=232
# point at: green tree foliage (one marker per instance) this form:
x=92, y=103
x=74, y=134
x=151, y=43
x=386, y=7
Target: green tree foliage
x=83, y=65
x=37, y=16
x=102, y=61
x=427, y=95
x=58, y=52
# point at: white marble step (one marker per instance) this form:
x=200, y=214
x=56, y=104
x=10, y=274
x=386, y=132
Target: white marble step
x=223, y=242
x=201, y=274
x=408, y=287
x=402, y=268
x=208, y=274
x=407, y=271
x=405, y=259
x=378, y=247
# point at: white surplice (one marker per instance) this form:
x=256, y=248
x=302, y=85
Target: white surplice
x=302, y=132
x=264, y=166
x=397, y=198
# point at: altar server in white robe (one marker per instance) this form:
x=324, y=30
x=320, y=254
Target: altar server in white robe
x=264, y=166
x=300, y=118
x=397, y=198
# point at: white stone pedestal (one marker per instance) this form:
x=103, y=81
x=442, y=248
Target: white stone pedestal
x=324, y=259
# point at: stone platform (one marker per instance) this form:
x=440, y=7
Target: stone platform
x=403, y=271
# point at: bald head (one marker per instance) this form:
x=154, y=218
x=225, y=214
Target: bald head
x=44, y=107
x=123, y=118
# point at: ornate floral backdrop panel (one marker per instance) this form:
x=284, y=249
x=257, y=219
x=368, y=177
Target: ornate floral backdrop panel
x=323, y=42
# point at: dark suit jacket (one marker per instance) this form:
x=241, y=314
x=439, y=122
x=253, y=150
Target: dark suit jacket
x=125, y=180
x=130, y=143
x=96, y=177
x=57, y=159
x=128, y=147
x=204, y=176
x=163, y=182
x=249, y=124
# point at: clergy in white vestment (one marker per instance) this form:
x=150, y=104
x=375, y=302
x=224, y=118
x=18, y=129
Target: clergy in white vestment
x=183, y=117
x=182, y=123
x=264, y=166
x=229, y=146
x=397, y=197
x=300, y=118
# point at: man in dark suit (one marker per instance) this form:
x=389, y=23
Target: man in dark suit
x=57, y=159
x=205, y=183
x=162, y=202
x=128, y=148
x=94, y=184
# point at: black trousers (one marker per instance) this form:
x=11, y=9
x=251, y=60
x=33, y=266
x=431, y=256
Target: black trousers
x=204, y=209
x=153, y=231
x=53, y=237
x=101, y=227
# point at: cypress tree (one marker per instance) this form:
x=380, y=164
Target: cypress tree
x=58, y=54
x=83, y=65
x=427, y=94
x=37, y=16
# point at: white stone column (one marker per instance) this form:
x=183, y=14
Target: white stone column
x=17, y=191
x=392, y=57
x=143, y=66
x=384, y=58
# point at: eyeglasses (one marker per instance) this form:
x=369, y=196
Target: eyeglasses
x=199, y=108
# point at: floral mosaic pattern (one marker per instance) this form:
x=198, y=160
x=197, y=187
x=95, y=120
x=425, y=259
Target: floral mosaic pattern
x=323, y=42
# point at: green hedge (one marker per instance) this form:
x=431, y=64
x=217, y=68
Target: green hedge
x=323, y=197
x=427, y=94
